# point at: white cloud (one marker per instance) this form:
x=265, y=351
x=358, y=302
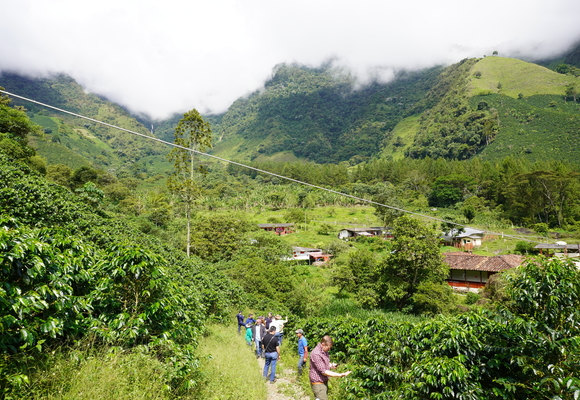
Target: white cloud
x=171, y=56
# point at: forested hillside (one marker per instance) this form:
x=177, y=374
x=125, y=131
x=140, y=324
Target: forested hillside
x=71, y=274
x=498, y=107
x=319, y=114
x=493, y=107
x=323, y=116
x=77, y=142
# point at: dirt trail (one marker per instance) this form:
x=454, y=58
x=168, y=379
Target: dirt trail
x=286, y=386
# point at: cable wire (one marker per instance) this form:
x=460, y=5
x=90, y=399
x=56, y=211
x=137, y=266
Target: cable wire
x=256, y=169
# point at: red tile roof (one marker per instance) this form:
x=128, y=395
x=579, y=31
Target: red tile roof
x=473, y=262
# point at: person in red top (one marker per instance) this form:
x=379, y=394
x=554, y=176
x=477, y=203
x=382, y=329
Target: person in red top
x=320, y=368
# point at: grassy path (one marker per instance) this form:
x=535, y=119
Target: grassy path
x=231, y=370
x=287, y=385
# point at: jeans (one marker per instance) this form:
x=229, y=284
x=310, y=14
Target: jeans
x=301, y=363
x=271, y=359
x=258, y=347
x=279, y=336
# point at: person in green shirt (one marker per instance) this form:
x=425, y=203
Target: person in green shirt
x=249, y=336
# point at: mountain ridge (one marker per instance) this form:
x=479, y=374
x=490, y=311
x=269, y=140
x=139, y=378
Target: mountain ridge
x=324, y=115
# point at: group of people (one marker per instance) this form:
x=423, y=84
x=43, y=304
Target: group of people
x=267, y=333
x=256, y=329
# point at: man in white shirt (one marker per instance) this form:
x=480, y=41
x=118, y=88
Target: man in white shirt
x=278, y=322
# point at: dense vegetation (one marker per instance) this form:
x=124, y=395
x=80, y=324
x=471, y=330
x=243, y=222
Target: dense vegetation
x=71, y=275
x=526, y=347
x=318, y=114
x=499, y=107
x=492, y=106
x=451, y=128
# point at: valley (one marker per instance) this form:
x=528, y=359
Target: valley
x=128, y=259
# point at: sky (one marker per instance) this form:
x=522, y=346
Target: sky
x=165, y=57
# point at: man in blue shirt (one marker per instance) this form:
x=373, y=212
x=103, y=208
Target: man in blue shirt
x=250, y=320
x=302, y=350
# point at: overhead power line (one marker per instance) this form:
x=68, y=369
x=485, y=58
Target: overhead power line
x=254, y=168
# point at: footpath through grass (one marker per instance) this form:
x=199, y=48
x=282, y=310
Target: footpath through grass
x=230, y=370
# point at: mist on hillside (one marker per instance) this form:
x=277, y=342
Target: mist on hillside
x=161, y=58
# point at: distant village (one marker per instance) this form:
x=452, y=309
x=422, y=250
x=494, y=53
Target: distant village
x=468, y=272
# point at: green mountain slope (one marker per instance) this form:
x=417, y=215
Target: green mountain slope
x=510, y=77
x=318, y=114
x=491, y=107
x=77, y=142
x=496, y=107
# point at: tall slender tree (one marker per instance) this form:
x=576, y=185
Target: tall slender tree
x=192, y=133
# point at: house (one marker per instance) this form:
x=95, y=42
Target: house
x=369, y=232
x=319, y=258
x=466, y=240
x=558, y=248
x=561, y=250
x=280, y=229
x=303, y=253
x=309, y=255
x=470, y=272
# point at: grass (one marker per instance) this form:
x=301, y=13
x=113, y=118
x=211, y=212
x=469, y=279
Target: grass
x=56, y=153
x=516, y=77
x=406, y=130
x=98, y=374
x=283, y=156
x=230, y=369
x=348, y=308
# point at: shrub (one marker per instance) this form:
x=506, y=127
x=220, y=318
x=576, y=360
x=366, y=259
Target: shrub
x=471, y=298
x=433, y=298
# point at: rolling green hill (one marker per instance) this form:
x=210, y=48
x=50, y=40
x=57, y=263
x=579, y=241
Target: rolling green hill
x=510, y=77
x=317, y=115
x=496, y=107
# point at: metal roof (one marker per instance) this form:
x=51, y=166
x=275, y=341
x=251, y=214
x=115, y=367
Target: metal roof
x=306, y=249
x=557, y=246
x=275, y=225
x=468, y=232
